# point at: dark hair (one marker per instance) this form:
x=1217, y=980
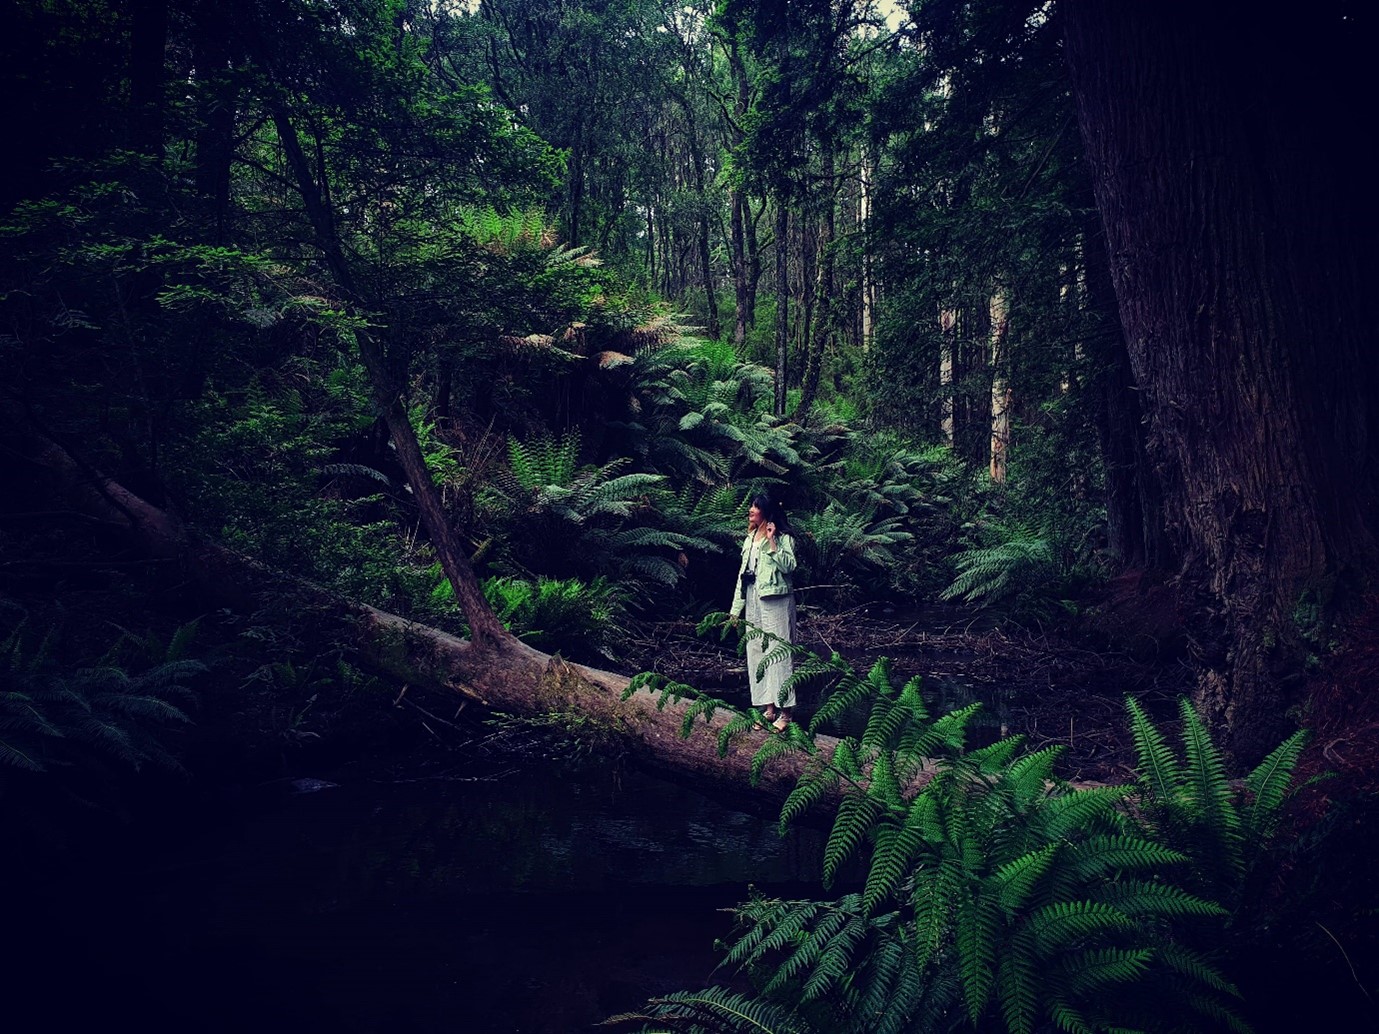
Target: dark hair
x=774, y=511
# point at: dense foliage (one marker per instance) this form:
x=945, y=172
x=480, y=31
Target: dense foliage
x=984, y=892
x=496, y=314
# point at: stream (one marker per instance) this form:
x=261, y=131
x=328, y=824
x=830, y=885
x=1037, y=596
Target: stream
x=535, y=900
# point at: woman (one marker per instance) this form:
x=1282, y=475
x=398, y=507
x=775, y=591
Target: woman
x=765, y=597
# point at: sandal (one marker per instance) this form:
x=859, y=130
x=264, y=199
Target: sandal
x=781, y=723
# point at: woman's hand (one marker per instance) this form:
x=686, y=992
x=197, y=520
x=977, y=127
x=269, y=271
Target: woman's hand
x=771, y=531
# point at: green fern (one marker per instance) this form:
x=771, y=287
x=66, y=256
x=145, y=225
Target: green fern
x=714, y=1010
x=1190, y=803
x=51, y=716
x=990, y=889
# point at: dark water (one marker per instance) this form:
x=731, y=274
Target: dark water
x=532, y=902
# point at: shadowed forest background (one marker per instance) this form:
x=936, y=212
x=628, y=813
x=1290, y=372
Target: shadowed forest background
x=383, y=385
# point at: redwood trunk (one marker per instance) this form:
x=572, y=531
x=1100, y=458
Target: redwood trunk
x=1237, y=226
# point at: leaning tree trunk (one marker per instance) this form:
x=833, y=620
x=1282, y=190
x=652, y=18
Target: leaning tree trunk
x=507, y=675
x=483, y=623
x=1236, y=222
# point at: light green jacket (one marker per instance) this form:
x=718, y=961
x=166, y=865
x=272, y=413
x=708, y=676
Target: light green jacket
x=773, y=569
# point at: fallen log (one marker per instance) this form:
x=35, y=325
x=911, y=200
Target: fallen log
x=505, y=675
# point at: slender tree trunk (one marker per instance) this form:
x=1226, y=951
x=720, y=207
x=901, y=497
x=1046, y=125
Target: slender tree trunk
x=483, y=623
x=1000, y=386
x=1241, y=235
x=753, y=257
x=808, y=266
x=782, y=302
x=948, y=348
x=823, y=332
x=868, y=283
x=739, y=261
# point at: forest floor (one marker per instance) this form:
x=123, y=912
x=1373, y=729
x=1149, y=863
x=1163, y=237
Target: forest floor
x=1050, y=687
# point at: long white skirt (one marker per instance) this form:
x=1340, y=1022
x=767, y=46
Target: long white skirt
x=774, y=615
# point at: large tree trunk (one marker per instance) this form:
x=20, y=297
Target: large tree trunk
x=1134, y=506
x=1241, y=243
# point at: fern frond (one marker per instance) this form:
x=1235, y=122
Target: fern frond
x=1156, y=898
x=717, y=1010
x=1057, y=925
x=1028, y=778
x=18, y=757
x=1213, y=796
x=1016, y=879
x=952, y=727
x=836, y=959
x=1196, y=966
x=813, y=785
x=1092, y=973
x=976, y=940
x=770, y=749
x=895, y=856
x=1104, y=854
x=857, y=813
x=1268, y=786
x=849, y=692
x=1160, y=772
x=1017, y=980
x=1094, y=808
x=1068, y=1017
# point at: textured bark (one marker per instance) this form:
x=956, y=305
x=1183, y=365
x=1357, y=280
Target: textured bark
x=999, y=313
x=1237, y=232
x=1134, y=502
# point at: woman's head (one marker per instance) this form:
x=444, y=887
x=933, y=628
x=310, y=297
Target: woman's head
x=766, y=509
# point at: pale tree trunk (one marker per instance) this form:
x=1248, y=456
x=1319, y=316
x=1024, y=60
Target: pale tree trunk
x=1239, y=228
x=1000, y=388
x=948, y=332
x=744, y=288
x=868, y=290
